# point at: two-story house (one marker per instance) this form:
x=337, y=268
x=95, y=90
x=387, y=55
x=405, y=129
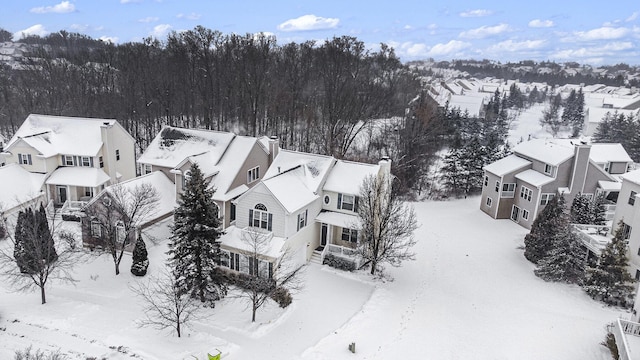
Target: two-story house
x=518, y=186
x=231, y=164
x=303, y=203
x=78, y=156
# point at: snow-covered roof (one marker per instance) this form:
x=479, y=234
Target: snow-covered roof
x=609, y=185
x=605, y=152
x=78, y=176
x=163, y=185
x=239, y=239
x=550, y=151
x=229, y=166
x=314, y=167
x=291, y=188
x=346, y=177
x=534, y=178
x=53, y=135
x=469, y=102
x=633, y=176
x=506, y=165
x=339, y=219
x=18, y=186
x=597, y=114
x=173, y=145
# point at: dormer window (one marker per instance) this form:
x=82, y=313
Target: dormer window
x=549, y=169
x=185, y=178
x=68, y=160
x=253, y=174
x=24, y=159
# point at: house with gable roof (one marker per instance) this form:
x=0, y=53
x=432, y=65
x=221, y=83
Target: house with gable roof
x=518, y=186
x=77, y=156
x=305, y=204
x=21, y=189
x=230, y=163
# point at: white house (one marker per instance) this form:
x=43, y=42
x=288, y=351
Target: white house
x=20, y=189
x=77, y=156
x=628, y=212
x=304, y=204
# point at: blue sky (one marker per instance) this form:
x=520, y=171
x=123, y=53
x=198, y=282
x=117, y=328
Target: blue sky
x=583, y=31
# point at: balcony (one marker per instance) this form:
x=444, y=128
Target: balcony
x=627, y=335
x=594, y=237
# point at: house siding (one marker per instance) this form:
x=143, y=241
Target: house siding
x=261, y=196
x=489, y=191
x=121, y=140
x=257, y=157
x=38, y=164
x=618, y=167
x=333, y=203
x=630, y=214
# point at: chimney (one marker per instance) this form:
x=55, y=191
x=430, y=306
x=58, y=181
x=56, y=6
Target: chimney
x=579, y=171
x=274, y=148
x=385, y=166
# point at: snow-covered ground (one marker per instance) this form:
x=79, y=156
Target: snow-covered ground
x=470, y=294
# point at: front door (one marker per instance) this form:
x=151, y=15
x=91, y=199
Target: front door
x=62, y=194
x=515, y=213
x=323, y=238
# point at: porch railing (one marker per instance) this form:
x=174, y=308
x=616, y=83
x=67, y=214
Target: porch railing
x=594, y=237
x=341, y=251
x=609, y=211
x=620, y=328
x=76, y=205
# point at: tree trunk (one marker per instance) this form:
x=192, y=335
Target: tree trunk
x=117, y=268
x=373, y=267
x=42, y=294
x=178, y=327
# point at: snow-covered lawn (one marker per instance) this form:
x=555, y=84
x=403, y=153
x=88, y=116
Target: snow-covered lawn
x=470, y=294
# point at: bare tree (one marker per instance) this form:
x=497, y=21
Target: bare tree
x=37, y=252
x=266, y=280
x=165, y=305
x=387, y=224
x=114, y=218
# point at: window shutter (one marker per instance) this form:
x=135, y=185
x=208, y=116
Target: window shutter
x=299, y=216
x=355, y=203
x=19, y=158
x=29, y=156
x=270, y=222
x=339, y=201
x=91, y=161
x=250, y=217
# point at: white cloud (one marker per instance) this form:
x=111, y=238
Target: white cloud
x=161, y=31
x=37, y=29
x=62, y=8
x=149, y=19
x=109, y=39
x=452, y=47
x=192, y=16
x=484, y=31
x=309, y=22
x=476, y=13
x=633, y=17
x=537, y=23
x=593, y=52
x=511, y=46
x=603, y=33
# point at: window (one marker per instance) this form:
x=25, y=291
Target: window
x=489, y=201
x=486, y=180
x=232, y=212
x=96, y=228
x=626, y=231
x=253, y=174
x=638, y=273
x=525, y=193
x=497, y=186
x=86, y=161
x=327, y=199
x=185, y=178
x=234, y=261
x=68, y=160
x=515, y=213
x=121, y=233
x=632, y=198
x=508, y=190
x=117, y=154
x=260, y=218
x=349, y=235
x=24, y=159
x=347, y=202
x=525, y=214
x=546, y=198
x=302, y=220
x=88, y=191
x=146, y=169
x=548, y=169
x=101, y=162
x=607, y=167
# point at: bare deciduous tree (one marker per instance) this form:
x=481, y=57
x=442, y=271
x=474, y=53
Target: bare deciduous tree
x=387, y=224
x=38, y=251
x=118, y=213
x=165, y=305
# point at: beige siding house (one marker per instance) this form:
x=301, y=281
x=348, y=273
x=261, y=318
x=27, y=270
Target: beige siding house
x=518, y=186
x=77, y=156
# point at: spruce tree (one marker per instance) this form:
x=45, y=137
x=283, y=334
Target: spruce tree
x=140, y=258
x=609, y=280
x=566, y=260
x=194, y=246
x=539, y=241
x=582, y=210
x=598, y=210
x=34, y=246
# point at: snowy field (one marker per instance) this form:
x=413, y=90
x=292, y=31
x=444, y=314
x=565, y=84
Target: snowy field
x=470, y=294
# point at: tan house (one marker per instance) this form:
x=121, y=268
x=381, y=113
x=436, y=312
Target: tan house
x=518, y=186
x=77, y=156
x=231, y=164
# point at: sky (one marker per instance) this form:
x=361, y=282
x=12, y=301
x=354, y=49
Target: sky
x=588, y=32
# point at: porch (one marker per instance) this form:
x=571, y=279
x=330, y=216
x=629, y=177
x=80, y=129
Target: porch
x=627, y=335
x=594, y=238
x=75, y=184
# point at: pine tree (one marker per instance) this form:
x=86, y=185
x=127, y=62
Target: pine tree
x=582, y=210
x=539, y=241
x=566, y=260
x=609, y=280
x=194, y=247
x=140, y=258
x=34, y=246
x=598, y=210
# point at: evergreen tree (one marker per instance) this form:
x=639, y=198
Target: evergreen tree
x=194, y=246
x=34, y=246
x=140, y=258
x=566, y=260
x=582, y=210
x=539, y=241
x=609, y=280
x=598, y=210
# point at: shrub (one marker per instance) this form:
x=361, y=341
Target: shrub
x=610, y=343
x=30, y=354
x=140, y=268
x=339, y=262
x=3, y=231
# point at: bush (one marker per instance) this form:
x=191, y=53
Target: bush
x=29, y=354
x=3, y=231
x=70, y=217
x=245, y=281
x=610, y=343
x=339, y=262
x=140, y=268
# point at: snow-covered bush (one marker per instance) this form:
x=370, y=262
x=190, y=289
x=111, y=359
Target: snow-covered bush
x=339, y=262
